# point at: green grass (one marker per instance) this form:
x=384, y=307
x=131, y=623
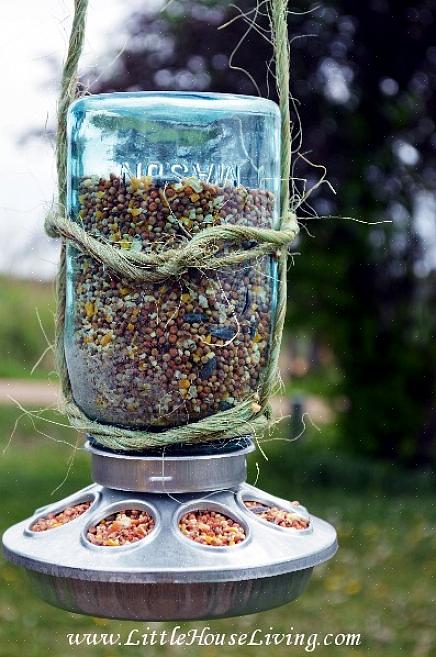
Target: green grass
x=381, y=583
x=21, y=337
x=324, y=382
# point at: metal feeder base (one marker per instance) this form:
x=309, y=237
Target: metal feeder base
x=169, y=602
x=167, y=576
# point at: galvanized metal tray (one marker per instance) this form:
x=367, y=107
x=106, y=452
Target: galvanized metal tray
x=166, y=576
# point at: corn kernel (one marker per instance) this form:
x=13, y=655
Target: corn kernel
x=89, y=309
x=106, y=339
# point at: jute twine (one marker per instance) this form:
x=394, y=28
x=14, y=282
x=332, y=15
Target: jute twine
x=204, y=251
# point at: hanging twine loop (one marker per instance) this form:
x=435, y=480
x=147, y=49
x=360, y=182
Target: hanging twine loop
x=203, y=251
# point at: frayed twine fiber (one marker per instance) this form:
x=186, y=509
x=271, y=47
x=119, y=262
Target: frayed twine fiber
x=253, y=415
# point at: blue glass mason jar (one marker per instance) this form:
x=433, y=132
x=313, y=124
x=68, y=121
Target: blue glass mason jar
x=146, y=171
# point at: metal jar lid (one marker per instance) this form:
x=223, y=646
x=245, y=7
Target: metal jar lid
x=193, y=469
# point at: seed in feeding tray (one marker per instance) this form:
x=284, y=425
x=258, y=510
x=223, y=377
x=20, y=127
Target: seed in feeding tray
x=211, y=528
x=256, y=507
x=53, y=520
x=277, y=516
x=121, y=528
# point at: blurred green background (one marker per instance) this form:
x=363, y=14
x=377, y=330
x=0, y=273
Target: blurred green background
x=359, y=351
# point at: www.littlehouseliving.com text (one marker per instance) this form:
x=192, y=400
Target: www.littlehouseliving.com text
x=207, y=637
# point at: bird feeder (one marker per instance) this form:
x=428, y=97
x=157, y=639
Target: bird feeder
x=171, y=532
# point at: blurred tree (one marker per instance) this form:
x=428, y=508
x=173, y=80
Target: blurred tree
x=365, y=81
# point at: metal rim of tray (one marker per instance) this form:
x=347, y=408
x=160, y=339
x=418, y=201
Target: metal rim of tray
x=168, y=556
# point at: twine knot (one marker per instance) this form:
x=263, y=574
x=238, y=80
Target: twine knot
x=204, y=250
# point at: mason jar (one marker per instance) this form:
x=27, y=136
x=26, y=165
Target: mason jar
x=146, y=172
